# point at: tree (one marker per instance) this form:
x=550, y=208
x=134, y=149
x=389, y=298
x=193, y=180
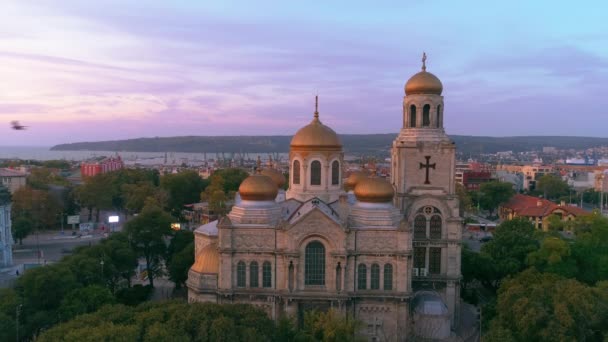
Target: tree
x=507, y=252
x=590, y=248
x=536, y=306
x=329, y=326
x=37, y=205
x=231, y=178
x=464, y=199
x=180, y=256
x=147, y=234
x=22, y=227
x=180, y=265
x=174, y=321
x=135, y=195
x=84, y=300
x=552, y=187
x=183, y=188
x=493, y=194
x=554, y=256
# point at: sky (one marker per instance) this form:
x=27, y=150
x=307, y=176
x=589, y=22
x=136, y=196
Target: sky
x=116, y=69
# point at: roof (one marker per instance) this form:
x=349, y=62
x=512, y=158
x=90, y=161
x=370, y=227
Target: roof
x=11, y=173
x=524, y=205
x=208, y=229
x=208, y=260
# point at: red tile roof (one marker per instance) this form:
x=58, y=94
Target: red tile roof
x=524, y=205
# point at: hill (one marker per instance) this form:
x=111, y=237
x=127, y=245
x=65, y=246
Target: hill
x=353, y=143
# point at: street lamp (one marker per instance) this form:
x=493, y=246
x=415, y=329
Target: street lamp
x=101, y=264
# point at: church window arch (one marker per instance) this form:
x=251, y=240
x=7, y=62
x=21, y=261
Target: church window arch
x=296, y=172
x=314, y=264
x=420, y=227
x=315, y=173
x=412, y=116
x=375, y=277
x=266, y=274
x=426, y=115
x=335, y=172
x=241, y=274
x=438, y=116
x=435, y=227
x=362, y=277
x=254, y=274
x=388, y=277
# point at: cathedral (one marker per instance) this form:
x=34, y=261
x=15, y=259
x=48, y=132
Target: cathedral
x=385, y=252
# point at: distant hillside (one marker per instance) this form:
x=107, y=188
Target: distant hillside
x=353, y=143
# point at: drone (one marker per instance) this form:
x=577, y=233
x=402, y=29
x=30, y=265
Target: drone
x=16, y=126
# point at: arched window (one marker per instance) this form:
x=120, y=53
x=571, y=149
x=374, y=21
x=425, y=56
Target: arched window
x=266, y=274
x=435, y=227
x=438, y=116
x=375, y=277
x=388, y=277
x=420, y=227
x=412, y=116
x=253, y=274
x=314, y=267
x=315, y=173
x=335, y=173
x=362, y=277
x=296, y=172
x=426, y=115
x=241, y=274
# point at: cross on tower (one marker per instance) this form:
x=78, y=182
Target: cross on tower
x=427, y=166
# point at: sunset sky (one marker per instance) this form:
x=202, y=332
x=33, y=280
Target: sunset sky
x=103, y=70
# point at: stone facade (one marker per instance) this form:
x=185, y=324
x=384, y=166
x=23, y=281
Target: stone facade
x=322, y=248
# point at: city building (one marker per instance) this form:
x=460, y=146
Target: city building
x=472, y=180
x=538, y=210
x=386, y=253
x=12, y=179
x=89, y=169
x=6, y=237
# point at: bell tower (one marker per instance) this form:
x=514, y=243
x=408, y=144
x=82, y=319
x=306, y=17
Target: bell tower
x=423, y=166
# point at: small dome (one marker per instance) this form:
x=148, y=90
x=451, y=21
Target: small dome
x=258, y=187
x=275, y=175
x=353, y=179
x=316, y=134
x=423, y=83
x=374, y=189
x=208, y=260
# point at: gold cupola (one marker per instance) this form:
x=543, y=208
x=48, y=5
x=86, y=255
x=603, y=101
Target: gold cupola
x=258, y=187
x=423, y=82
x=276, y=175
x=315, y=135
x=374, y=189
x=353, y=179
x=208, y=260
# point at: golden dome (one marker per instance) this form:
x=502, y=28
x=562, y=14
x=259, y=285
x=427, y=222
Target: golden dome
x=374, y=189
x=423, y=83
x=275, y=175
x=316, y=134
x=208, y=260
x=353, y=179
x=258, y=187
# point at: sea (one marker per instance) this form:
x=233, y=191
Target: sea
x=130, y=158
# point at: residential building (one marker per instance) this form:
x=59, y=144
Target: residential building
x=538, y=210
x=12, y=179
